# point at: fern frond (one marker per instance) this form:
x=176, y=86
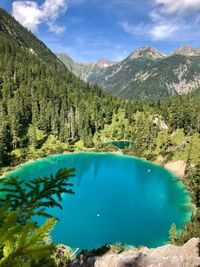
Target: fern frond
x=42, y=232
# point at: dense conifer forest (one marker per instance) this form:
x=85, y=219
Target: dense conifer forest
x=37, y=91
x=45, y=109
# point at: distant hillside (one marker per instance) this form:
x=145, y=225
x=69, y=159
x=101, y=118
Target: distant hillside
x=69, y=63
x=84, y=71
x=147, y=72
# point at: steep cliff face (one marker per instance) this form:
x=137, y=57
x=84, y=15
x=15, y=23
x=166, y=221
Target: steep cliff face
x=166, y=256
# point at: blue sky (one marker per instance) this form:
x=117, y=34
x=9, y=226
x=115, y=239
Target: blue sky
x=88, y=30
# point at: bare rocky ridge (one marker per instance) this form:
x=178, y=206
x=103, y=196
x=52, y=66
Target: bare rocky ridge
x=94, y=68
x=146, y=51
x=186, y=50
x=166, y=256
x=102, y=63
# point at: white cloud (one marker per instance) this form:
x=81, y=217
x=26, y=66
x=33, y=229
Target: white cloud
x=169, y=20
x=31, y=15
x=163, y=27
x=28, y=14
x=163, y=31
x=56, y=28
x=172, y=6
x=156, y=32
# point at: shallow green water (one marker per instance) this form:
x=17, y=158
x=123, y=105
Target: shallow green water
x=117, y=199
x=120, y=144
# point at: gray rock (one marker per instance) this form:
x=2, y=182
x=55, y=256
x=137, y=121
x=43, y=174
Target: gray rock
x=165, y=256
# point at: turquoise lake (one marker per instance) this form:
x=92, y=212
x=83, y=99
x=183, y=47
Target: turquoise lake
x=117, y=199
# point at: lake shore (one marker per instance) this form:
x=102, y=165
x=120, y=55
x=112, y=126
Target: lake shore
x=167, y=255
x=176, y=167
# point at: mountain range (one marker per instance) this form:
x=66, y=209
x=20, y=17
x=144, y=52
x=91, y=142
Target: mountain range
x=146, y=71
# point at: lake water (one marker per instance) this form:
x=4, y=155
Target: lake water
x=120, y=144
x=117, y=199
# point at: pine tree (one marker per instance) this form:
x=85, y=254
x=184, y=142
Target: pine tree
x=38, y=194
x=3, y=136
x=172, y=233
x=22, y=242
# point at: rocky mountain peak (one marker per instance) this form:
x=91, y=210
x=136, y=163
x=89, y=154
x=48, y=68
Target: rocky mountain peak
x=186, y=50
x=102, y=63
x=146, y=51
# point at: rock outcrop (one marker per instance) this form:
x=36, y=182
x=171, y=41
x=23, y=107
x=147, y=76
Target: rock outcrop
x=166, y=256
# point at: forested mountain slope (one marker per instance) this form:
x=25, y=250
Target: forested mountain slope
x=40, y=98
x=37, y=92
x=12, y=29
x=147, y=71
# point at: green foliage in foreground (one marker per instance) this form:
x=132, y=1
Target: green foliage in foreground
x=192, y=229
x=32, y=197
x=22, y=242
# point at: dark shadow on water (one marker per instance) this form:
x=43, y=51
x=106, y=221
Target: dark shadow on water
x=120, y=144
